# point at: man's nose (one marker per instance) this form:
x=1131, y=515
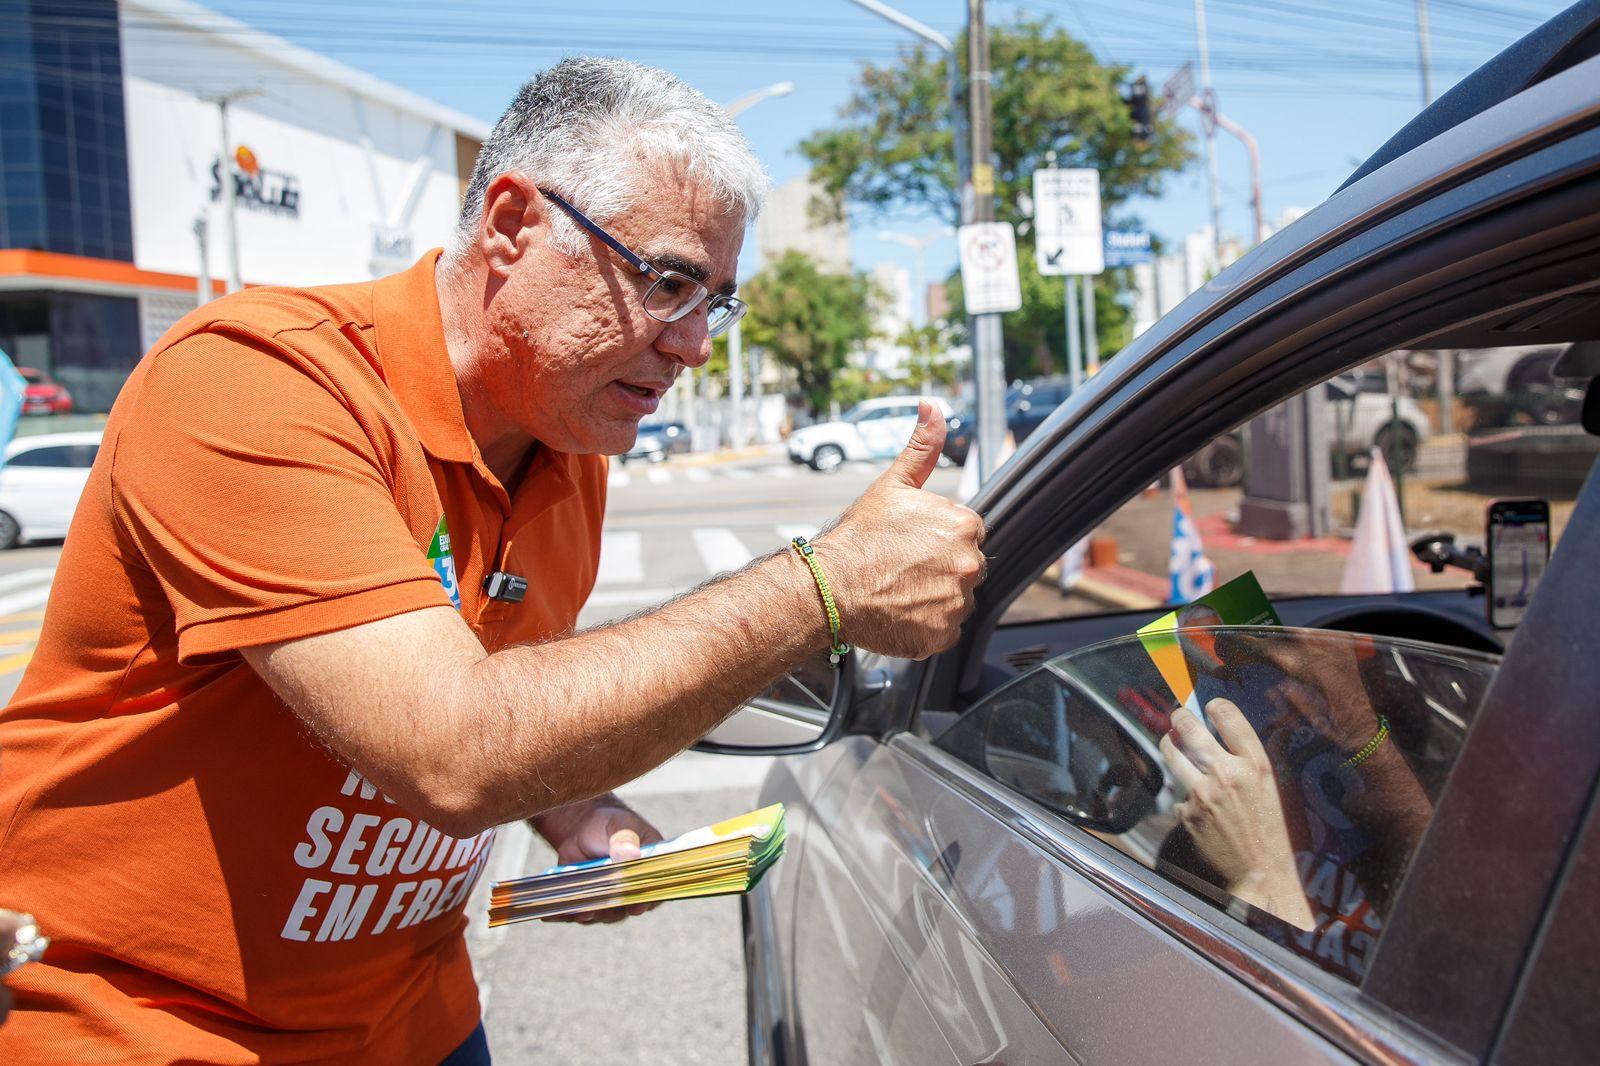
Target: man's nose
x=687, y=339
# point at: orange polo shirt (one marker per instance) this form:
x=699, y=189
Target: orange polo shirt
x=217, y=886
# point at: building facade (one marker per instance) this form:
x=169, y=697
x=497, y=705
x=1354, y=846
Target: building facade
x=113, y=215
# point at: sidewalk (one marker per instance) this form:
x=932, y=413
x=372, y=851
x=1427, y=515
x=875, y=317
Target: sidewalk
x=730, y=455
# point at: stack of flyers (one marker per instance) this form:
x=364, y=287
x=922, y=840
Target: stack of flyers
x=715, y=860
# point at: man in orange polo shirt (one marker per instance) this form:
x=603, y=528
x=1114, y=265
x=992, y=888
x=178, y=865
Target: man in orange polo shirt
x=254, y=769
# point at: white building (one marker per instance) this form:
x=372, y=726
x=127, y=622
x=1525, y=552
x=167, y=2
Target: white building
x=788, y=223
x=338, y=177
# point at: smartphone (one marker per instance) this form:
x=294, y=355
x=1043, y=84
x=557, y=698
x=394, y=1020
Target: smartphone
x=1519, y=547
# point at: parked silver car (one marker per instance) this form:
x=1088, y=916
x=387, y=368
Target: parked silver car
x=996, y=856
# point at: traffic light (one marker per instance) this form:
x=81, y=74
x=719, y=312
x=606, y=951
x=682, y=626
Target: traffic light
x=1138, y=101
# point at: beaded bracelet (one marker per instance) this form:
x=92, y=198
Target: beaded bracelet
x=1372, y=745
x=839, y=649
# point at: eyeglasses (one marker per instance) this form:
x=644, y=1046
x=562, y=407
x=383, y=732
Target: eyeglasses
x=672, y=295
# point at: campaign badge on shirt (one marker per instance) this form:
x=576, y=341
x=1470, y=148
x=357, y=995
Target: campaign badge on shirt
x=444, y=563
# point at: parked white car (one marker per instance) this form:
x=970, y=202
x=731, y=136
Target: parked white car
x=872, y=429
x=40, y=482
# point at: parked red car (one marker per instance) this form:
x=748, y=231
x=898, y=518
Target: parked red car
x=44, y=395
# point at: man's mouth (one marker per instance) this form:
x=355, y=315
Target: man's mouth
x=649, y=391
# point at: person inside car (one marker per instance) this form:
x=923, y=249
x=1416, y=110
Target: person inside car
x=1301, y=804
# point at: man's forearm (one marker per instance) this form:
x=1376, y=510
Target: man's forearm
x=593, y=711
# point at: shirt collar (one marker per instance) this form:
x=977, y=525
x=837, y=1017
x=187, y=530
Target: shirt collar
x=416, y=362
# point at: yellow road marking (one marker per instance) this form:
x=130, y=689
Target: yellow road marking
x=21, y=616
x=13, y=663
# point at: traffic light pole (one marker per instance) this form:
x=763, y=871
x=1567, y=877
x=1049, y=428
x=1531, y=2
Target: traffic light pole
x=988, y=367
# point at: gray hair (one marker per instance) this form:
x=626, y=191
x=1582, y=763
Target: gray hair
x=588, y=128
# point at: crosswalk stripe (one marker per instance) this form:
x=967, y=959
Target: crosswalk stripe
x=12, y=663
x=21, y=601
x=625, y=597
x=779, y=471
x=658, y=477
x=738, y=473
x=618, y=479
x=26, y=577
x=694, y=473
x=719, y=549
x=621, y=558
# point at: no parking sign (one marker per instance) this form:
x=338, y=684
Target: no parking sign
x=989, y=268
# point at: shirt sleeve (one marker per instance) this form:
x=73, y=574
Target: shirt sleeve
x=262, y=504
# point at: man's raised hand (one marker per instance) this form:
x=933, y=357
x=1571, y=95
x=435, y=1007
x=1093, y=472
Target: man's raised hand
x=903, y=561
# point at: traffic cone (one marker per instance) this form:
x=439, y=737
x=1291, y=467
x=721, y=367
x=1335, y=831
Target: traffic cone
x=1380, y=559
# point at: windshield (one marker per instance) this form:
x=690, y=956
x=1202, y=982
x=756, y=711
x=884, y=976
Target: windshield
x=1288, y=771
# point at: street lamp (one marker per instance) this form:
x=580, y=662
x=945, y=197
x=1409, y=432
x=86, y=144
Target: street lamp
x=736, y=334
x=920, y=246
x=749, y=100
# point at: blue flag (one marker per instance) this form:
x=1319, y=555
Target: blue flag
x=1193, y=575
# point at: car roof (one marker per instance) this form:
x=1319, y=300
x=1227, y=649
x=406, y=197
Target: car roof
x=47, y=440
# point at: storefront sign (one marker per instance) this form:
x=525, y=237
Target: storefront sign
x=256, y=188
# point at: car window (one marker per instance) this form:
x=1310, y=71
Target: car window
x=59, y=455
x=1293, y=795
x=1505, y=427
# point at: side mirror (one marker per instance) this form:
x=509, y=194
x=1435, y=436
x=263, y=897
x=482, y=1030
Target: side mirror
x=801, y=712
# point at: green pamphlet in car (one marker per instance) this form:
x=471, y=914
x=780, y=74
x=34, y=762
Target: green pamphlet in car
x=1240, y=602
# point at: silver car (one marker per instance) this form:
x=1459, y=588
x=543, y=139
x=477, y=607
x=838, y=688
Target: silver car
x=1378, y=847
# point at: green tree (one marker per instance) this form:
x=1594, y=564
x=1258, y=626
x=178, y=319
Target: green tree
x=808, y=321
x=928, y=362
x=892, y=149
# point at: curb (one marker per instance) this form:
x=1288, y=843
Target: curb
x=729, y=456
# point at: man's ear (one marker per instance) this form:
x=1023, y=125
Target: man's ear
x=513, y=215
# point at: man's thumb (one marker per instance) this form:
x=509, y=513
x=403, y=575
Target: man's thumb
x=921, y=453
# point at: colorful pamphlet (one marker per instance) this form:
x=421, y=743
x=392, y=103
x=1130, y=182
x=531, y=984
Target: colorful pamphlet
x=716, y=860
x=1238, y=603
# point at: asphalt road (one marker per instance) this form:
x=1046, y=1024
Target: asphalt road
x=667, y=986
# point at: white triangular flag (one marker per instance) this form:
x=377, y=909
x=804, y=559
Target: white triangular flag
x=1380, y=559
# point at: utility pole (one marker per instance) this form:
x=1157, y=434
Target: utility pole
x=203, y=280
x=225, y=179
x=1209, y=125
x=1424, y=60
x=1091, y=340
x=988, y=366
x=1074, y=354
x=1445, y=376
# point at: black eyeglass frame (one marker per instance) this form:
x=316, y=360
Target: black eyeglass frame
x=735, y=307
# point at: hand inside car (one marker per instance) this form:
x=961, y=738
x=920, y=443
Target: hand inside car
x=903, y=561
x=600, y=828
x=1233, y=812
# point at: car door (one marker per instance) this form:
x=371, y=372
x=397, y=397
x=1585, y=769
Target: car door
x=1489, y=228
x=43, y=485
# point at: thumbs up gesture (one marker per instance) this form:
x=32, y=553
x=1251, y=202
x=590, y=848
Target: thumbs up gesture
x=903, y=561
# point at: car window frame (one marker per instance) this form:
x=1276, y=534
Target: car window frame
x=1467, y=190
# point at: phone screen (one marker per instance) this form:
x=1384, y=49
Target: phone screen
x=1519, y=548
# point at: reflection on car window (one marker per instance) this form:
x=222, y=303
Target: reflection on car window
x=55, y=456
x=1291, y=785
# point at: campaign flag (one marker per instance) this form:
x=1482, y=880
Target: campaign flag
x=1193, y=575
x=12, y=388
x=1380, y=558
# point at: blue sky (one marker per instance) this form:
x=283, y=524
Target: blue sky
x=1319, y=85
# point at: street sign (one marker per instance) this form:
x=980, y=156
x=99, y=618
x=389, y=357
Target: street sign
x=989, y=268
x=1125, y=248
x=1066, y=221
x=1178, y=90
